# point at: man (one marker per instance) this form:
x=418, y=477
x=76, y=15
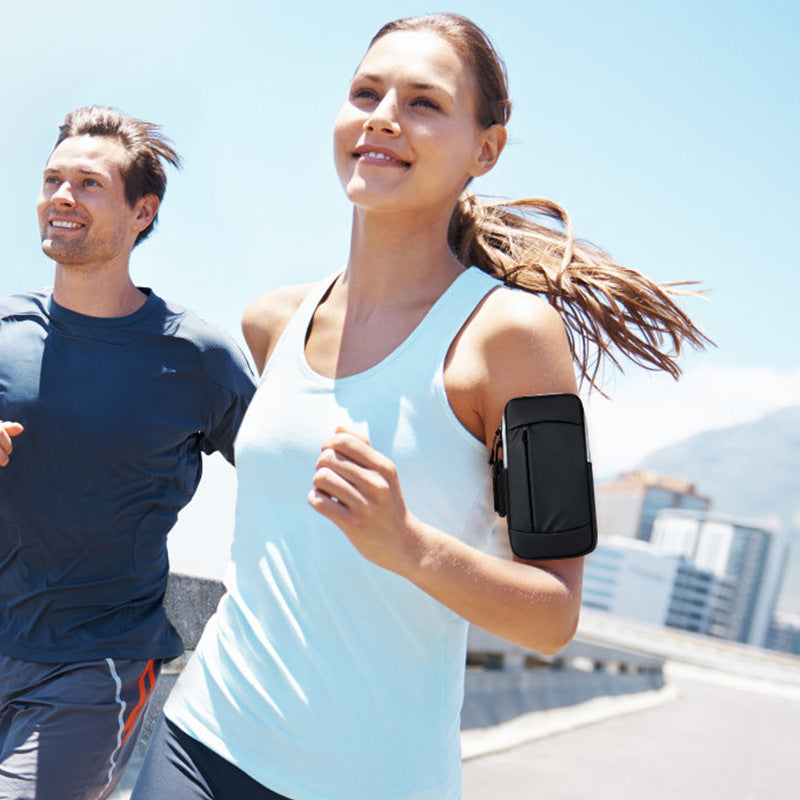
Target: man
x=108, y=395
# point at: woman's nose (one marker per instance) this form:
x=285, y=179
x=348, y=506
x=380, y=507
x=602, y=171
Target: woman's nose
x=384, y=116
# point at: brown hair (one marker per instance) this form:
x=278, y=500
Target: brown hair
x=604, y=305
x=144, y=144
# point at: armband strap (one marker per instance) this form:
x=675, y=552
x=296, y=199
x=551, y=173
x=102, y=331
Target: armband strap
x=498, y=487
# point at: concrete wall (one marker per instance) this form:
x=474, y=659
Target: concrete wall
x=503, y=681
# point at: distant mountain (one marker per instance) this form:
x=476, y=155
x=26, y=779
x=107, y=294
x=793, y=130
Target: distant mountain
x=750, y=470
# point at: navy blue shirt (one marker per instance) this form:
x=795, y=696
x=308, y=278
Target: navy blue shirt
x=116, y=414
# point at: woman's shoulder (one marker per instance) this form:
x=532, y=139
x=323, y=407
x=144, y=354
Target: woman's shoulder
x=275, y=305
x=266, y=317
x=508, y=316
x=521, y=344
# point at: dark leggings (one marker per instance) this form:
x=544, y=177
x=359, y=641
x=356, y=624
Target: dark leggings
x=178, y=767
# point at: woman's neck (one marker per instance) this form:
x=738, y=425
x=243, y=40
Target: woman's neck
x=397, y=259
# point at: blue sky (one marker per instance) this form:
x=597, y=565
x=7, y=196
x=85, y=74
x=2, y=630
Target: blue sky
x=668, y=129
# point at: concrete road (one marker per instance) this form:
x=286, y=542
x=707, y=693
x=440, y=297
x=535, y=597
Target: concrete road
x=723, y=738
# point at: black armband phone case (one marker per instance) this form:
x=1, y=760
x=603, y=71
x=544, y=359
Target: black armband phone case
x=542, y=477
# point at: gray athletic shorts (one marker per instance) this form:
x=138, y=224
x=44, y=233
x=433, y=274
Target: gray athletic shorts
x=68, y=730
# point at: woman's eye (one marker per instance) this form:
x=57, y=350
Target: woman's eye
x=364, y=94
x=426, y=102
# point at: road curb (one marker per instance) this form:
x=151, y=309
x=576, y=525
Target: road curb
x=478, y=742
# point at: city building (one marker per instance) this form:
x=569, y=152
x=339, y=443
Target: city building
x=628, y=504
x=740, y=554
x=701, y=601
x=785, y=633
x=631, y=579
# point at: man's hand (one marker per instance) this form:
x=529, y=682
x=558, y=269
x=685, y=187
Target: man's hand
x=7, y=431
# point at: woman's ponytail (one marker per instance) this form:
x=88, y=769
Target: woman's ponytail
x=607, y=308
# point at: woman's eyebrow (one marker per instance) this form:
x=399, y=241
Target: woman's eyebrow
x=418, y=85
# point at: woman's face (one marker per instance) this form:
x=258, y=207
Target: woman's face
x=407, y=138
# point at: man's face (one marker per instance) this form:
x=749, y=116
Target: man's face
x=84, y=219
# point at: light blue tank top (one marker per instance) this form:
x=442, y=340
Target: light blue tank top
x=321, y=675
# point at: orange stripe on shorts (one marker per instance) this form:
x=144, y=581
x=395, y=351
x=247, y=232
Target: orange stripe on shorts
x=144, y=695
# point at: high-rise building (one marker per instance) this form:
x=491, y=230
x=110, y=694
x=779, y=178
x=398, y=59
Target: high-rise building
x=701, y=601
x=632, y=579
x=785, y=633
x=628, y=504
x=740, y=553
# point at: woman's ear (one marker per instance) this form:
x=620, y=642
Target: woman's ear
x=493, y=140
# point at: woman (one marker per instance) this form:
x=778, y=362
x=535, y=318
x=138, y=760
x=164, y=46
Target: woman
x=334, y=665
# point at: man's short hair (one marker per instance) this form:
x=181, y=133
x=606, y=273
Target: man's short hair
x=143, y=142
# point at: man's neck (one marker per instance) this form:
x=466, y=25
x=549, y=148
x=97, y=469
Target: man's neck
x=96, y=294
